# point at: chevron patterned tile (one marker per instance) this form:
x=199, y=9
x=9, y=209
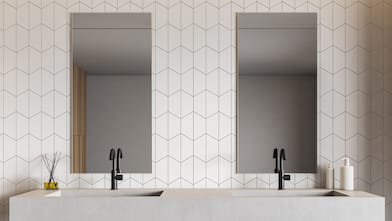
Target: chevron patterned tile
x=194, y=92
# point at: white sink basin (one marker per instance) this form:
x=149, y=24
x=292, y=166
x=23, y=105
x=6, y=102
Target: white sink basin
x=285, y=193
x=104, y=193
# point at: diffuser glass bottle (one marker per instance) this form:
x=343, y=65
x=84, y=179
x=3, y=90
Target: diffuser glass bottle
x=51, y=164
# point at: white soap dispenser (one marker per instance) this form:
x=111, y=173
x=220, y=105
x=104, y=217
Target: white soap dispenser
x=329, y=177
x=347, y=175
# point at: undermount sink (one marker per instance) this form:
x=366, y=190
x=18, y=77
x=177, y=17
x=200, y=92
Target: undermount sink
x=105, y=193
x=285, y=193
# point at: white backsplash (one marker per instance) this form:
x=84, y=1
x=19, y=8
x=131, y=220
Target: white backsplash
x=194, y=93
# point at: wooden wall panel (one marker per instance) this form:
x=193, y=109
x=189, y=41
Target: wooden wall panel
x=78, y=120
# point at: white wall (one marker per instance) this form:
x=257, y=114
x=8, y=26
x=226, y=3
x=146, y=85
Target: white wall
x=194, y=86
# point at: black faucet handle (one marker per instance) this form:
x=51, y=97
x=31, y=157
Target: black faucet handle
x=119, y=177
x=286, y=177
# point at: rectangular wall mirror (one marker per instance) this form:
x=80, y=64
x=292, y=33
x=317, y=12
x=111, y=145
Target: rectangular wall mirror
x=111, y=91
x=276, y=91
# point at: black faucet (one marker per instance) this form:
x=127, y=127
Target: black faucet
x=275, y=156
x=280, y=171
x=115, y=176
x=119, y=156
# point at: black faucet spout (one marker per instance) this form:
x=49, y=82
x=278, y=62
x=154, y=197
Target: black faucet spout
x=282, y=157
x=115, y=176
x=119, y=156
x=281, y=174
x=275, y=156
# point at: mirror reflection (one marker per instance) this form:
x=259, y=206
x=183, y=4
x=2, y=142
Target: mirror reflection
x=277, y=91
x=111, y=91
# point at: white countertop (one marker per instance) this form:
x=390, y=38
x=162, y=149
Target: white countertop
x=196, y=205
x=192, y=193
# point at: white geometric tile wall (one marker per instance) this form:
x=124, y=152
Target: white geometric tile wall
x=193, y=92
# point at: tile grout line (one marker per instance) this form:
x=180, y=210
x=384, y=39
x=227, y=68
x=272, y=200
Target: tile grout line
x=231, y=95
x=181, y=47
x=205, y=94
x=155, y=100
x=219, y=71
x=28, y=101
x=358, y=79
x=54, y=81
x=193, y=86
x=15, y=95
x=3, y=107
x=41, y=79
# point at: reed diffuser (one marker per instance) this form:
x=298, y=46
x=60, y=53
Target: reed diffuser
x=51, y=164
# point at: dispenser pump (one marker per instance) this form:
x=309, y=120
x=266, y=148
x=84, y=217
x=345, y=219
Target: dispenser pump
x=346, y=162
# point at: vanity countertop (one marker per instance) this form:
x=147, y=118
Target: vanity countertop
x=197, y=204
x=196, y=193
